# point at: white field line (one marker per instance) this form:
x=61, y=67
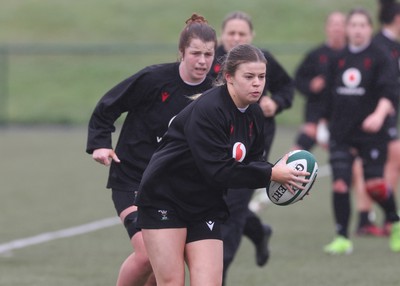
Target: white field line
x=6, y=248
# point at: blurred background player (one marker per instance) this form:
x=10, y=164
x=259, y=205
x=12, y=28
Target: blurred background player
x=237, y=28
x=387, y=38
x=311, y=82
x=150, y=98
x=362, y=83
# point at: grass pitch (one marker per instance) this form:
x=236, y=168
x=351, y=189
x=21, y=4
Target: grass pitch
x=50, y=184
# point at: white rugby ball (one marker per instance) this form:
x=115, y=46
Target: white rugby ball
x=299, y=160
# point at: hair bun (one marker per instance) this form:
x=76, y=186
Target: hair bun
x=196, y=18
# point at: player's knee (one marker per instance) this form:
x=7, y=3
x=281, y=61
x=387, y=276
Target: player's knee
x=304, y=141
x=378, y=189
x=340, y=186
x=130, y=223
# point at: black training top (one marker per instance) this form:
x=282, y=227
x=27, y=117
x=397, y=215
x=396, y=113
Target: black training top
x=357, y=80
x=278, y=82
x=315, y=63
x=150, y=98
x=393, y=48
x=210, y=146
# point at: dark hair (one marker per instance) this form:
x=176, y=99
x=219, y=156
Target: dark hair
x=389, y=9
x=241, y=54
x=237, y=15
x=196, y=28
x=360, y=11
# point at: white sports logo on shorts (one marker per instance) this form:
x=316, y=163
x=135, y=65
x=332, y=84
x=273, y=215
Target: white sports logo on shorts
x=210, y=224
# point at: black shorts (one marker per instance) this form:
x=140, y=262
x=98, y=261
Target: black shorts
x=391, y=128
x=123, y=199
x=372, y=151
x=153, y=218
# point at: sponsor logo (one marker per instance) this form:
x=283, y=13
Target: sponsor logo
x=351, y=78
x=239, y=151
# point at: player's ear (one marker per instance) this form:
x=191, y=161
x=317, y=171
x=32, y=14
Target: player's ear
x=228, y=78
x=181, y=55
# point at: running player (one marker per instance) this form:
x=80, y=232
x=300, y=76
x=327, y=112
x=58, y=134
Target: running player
x=150, y=98
x=214, y=144
x=363, y=88
x=237, y=28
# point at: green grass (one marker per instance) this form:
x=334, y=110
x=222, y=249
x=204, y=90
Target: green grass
x=49, y=184
x=57, y=57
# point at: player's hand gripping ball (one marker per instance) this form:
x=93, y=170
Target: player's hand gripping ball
x=300, y=160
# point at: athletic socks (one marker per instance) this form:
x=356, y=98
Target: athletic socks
x=304, y=141
x=341, y=207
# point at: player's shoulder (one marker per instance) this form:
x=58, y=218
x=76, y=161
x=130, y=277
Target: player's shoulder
x=160, y=72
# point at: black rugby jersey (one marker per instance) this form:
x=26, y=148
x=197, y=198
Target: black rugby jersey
x=278, y=82
x=150, y=98
x=393, y=48
x=210, y=146
x=356, y=83
x=315, y=63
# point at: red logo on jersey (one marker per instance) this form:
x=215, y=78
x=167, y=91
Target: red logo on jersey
x=232, y=129
x=251, y=129
x=239, y=151
x=164, y=96
x=217, y=68
x=367, y=63
x=341, y=63
x=323, y=59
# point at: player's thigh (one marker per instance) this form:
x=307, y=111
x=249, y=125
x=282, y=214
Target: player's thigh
x=394, y=152
x=165, y=248
x=204, y=260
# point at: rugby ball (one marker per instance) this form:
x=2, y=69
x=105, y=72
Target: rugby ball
x=299, y=160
